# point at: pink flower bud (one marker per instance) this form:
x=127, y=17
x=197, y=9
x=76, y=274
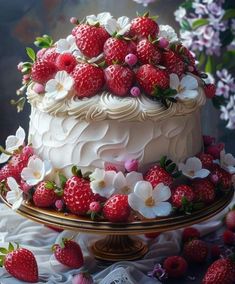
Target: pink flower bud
x=41, y=53
x=82, y=278
x=20, y=66
x=59, y=204
x=214, y=179
x=163, y=42
x=131, y=59
x=73, y=21
x=95, y=206
x=131, y=165
x=135, y=91
x=38, y=88
x=190, y=68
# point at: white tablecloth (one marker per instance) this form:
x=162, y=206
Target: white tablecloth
x=39, y=239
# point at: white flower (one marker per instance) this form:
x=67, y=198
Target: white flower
x=125, y=185
x=101, y=18
x=186, y=88
x=36, y=170
x=144, y=2
x=180, y=14
x=119, y=26
x=193, y=168
x=67, y=45
x=227, y=162
x=58, y=88
x=13, y=142
x=168, y=32
x=102, y=182
x=15, y=195
x=150, y=202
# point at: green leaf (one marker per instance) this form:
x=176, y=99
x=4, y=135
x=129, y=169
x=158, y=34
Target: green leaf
x=2, y=257
x=63, y=180
x=187, y=4
x=199, y=23
x=163, y=161
x=218, y=101
x=171, y=168
x=209, y=67
x=185, y=25
x=31, y=53
x=229, y=14
x=202, y=59
x=43, y=42
x=3, y=250
x=49, y=185
x=11, y=247
x=226, y=37
x=228, y=60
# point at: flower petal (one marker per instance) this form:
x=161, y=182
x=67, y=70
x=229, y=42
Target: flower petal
x=162, y=209
x=202, y=173
x=11, y=143
x=20, y=134
x=13, y=185
x=51, y=86
x=123, y=22
x=161, y=192
x=193, y=164
x=119, y=181
x=17, y=204
x=4, y=157
x=132, y=178
x=187, y=95
x=189, y=82
x=68, y=84
x=174, y=81
x=143, y=189
x=135, y=202
x=98, y=174
x=111, y=26
x=147, y=212
x=27, y=174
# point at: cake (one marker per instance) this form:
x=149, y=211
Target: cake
x=120, y=100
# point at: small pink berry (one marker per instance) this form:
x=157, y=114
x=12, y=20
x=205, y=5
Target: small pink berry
x=38, y=88
x=131, y=165
x=73, y=21
x=135, y=91
x=190, y=68
x=41, y=53
x=214, y=179
x=163, y=42
x=82, y=278
x=20, y=66
x=131, y=59
x=59, y=204
x=25, y=79
x=95, y=207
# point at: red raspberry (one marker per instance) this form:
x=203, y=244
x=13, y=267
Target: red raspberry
x=228, y=237
x=182, y=192
x=189, y=234
x=195, y=251
x=175, y=266
x=66, y=62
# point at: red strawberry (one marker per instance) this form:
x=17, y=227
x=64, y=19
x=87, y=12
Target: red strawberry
x=88, y=79
x=208, y=140
x=9, y=171
x=21, y=264
x=215, y=150
x=210, y=90
x=185, y=54
x=195, y=251
x=143, y=27
x=68, y=253
x=157, y=174
x=116, y=49
x=66, y=62
x=181, y=193
x=152, y=235
x=78, y=195
x=150, y=77
x=230, y=220
x=42, y=71
x=173, y=63
x=19, y=161
x=175, y=266
x=90, y=39
x=50, y=55
x=147, y=52
x=206, y=159
x=189, y=234
x=204, y=190
x=215, y=251
x=228, y=237
x=44, y=195
x=116, y=208
x=119, y=79
x=222, y=271
x=225, y=178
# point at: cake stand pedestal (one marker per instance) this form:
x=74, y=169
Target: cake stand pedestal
x=117, y=245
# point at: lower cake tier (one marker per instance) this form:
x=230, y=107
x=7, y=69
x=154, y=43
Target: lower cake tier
x=67, y=141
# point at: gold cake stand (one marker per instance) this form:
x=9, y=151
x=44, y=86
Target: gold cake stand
x=117, y=245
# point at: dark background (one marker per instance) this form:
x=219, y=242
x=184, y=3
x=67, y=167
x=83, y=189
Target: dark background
x=22, y=20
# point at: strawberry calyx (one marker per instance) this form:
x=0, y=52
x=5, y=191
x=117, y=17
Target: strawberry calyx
x=169, y=166
x=147, y=15
x=62, y=243
x=165, y=96
x=78, y=173
x=5, y=251
x=188, y=207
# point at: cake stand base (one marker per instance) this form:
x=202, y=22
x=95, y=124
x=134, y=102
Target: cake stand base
x=119, y=247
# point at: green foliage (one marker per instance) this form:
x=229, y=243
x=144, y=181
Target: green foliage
x=199, y=23
x=43, y=42
x=31, y=53
x=187, y=4
x=185, y=25
x=229, y=14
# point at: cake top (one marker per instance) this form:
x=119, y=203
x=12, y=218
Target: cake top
x=119, y=61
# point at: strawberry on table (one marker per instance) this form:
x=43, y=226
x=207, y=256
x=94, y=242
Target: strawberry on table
x=230, y=219
x=189, y=234
x=175, y=266
x=88, y=79
x=222, y=271
x=117, y=209
x=20, y=263
x=78, y=195
x=68, y=253
x=119, y=79
x=195, y=251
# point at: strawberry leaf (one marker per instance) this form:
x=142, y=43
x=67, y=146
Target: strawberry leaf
x=171, y=168
x=63, y=180
x=49, y=185
x=31, y=54
x=43, y=42
x=2, y=258
x=3, y=250
x=11, y=247
x=163, y=161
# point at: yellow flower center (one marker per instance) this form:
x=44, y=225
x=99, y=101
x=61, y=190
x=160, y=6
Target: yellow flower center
x=59, y=87
x=37, y=175
x=102, y=184
x=191, y=173
x=180, y=89
x=125, y=190
x=150, y=202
